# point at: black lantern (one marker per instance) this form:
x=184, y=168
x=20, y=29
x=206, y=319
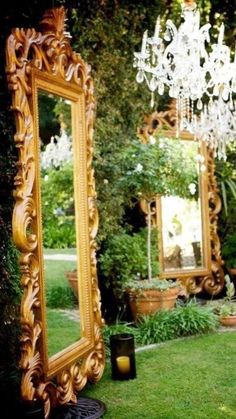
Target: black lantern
x=122, y=356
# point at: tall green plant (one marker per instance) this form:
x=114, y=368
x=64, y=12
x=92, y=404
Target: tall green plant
x=149, y=170
x=125, y=259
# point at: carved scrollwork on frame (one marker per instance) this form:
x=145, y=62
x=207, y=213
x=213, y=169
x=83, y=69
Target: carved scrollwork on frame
x=209, y=277
x=45, y=60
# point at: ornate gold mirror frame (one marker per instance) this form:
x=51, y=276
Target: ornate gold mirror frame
x=44, y=61
x=209, y=277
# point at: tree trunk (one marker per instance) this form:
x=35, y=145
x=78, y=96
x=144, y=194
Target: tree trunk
x=149, y=226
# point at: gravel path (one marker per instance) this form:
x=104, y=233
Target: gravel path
x=60, y=256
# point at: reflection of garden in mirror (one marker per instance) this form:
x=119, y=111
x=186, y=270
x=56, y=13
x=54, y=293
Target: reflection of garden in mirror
x=181, y=216
x=58, y=220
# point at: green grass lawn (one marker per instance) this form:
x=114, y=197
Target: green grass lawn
x=55, y=269
x=62, y=331
x=193, y=378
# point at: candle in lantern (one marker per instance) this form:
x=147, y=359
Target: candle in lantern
x=123, y=364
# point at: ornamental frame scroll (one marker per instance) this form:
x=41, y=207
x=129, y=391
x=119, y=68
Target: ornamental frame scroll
x=46, y=59
x=211, y=279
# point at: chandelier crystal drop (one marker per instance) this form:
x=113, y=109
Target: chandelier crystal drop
x=217, y=125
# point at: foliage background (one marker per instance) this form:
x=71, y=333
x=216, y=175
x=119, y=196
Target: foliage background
x=106, y=32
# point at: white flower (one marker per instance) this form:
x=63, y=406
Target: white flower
x=138, y=168
x=152, y=140
x=105, y=181
x=46, y=178
x=192, y=188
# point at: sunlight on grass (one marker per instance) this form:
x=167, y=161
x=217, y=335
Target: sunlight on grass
x=191, y=378
x=227, y=411
x=62, y=330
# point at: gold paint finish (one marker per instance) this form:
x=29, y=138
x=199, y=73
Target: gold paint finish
x=209, y=277
x=45, y=61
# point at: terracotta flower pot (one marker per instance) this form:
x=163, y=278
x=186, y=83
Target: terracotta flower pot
x=228, y=321
x=149, y=301
x=73, y=281
x=232, y=271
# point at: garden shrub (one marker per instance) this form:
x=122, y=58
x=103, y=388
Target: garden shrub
x=125, y=259
x=184, y=320
x=60, y=297
x=229, y=250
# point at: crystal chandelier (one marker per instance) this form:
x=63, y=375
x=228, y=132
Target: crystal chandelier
x=180, y=62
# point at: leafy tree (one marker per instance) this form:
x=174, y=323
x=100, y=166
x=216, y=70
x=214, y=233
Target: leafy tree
x=58, y=208
x=156, y=168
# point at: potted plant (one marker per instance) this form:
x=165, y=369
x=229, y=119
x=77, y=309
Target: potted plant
x=227, y=307
x=125, y=259
x=148, y=171
x=148, y=296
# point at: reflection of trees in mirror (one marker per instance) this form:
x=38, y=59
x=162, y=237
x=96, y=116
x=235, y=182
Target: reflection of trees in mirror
x=55, y=115
x=150, y=169
x=58, y=207
x=181, y=215
x=49, y=123
x=63, y=113
x=58, y=219
x=57, y=174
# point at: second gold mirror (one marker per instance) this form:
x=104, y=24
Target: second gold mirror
x=189, y=247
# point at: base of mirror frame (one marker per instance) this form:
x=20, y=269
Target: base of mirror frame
x=85, y=407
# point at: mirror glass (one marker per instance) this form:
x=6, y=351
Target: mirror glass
x=181, y=217
x=58, y=222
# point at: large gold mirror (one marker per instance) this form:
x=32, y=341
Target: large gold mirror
x=188, y=244
x=49, y=81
